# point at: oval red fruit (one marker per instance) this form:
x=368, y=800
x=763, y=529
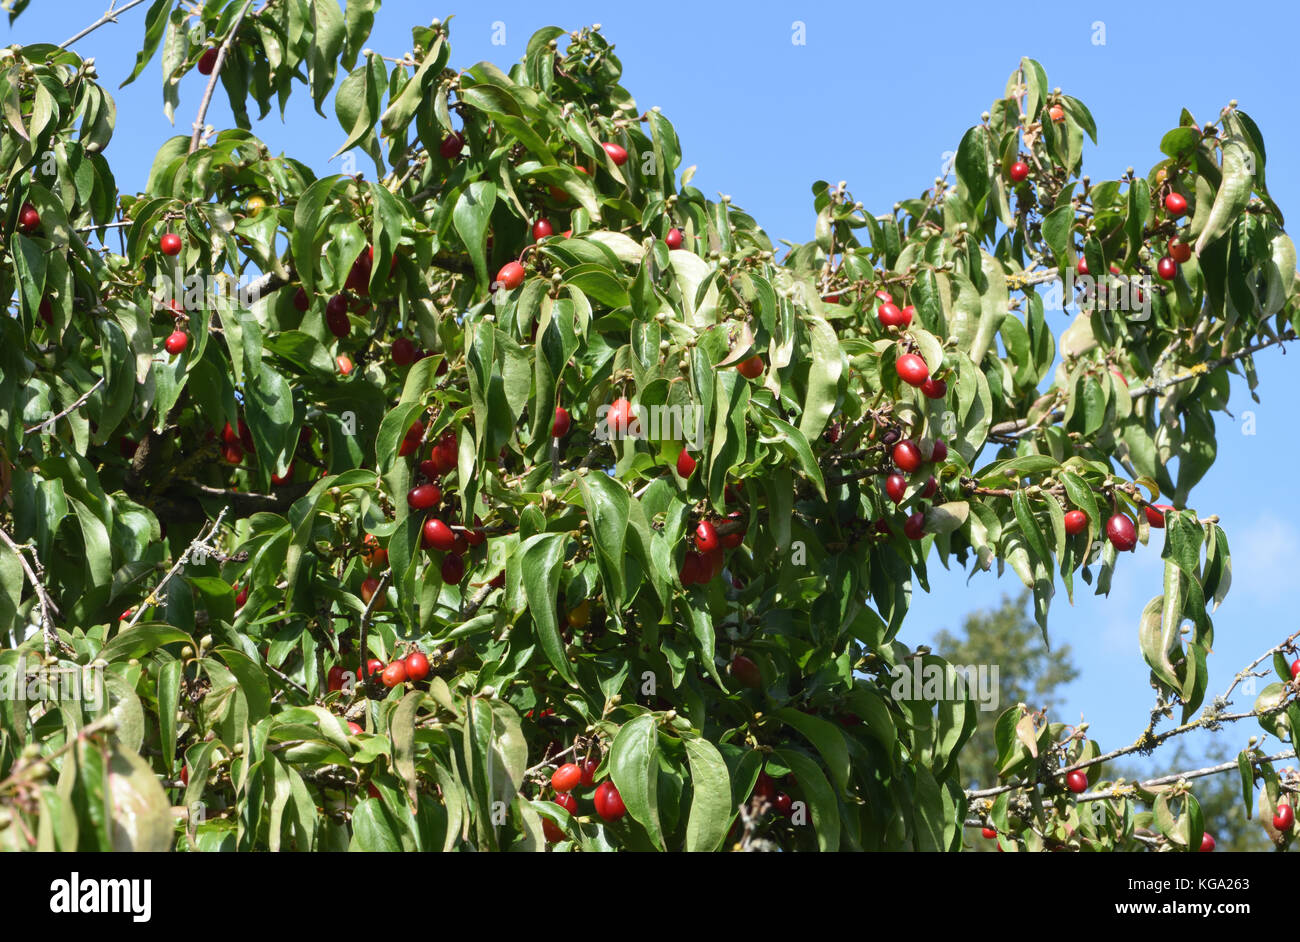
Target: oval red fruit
x=417, y=666
x=746, y=672
x=1077, y=781
x=609, y=803
x=423, y=497
x=177, y=341
x=1207, y=843
x=567, y=777
x=437, y=535
x=170, y=244
x=907, y=456
x=914, y=528
x=674, y=239
x=706, y=537
x=511, y=276
x=560, y=427
x=685, y=463
x=1121, y=533
x=934, y=388
x=1167, y=268
x=895, y=486
x=453, y=569
x=1176, y=204
x=1019, y=171
x=394, y=674
x=912, y=369
x=1076, y=521
x=1283, y=817
x=751, y=368
x=616, y=153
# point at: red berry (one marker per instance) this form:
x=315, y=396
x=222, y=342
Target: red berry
x=1176, y=204
x=29, y=220
x=746, y=672
x=1295, y=670
x=706, y=537
x=931, y=488
x=177, y=341
x=939, y=451
x=233, y=454
x=207, y=61
x=283, y=478
x=685, y=463
x=417, y=667
x=692, y=571
x=1156, y=515
x=241, y=596
x=895, y=486
x=1167, y=268
x=588, y=767
x=674, y=239
x=334, y=678
x=451, y=146
x=344, y=363
x=511, y=276
x=369, y=586
x=907, y=456
x=394, y=674
x=914, y=528
x=1019, y=171
x=437, y=535
x=751, y=368
x=990, y=834
x=609, y=803
x=423, y=497
x=1076, y=521
x=475, y=536
x=453, y=569
x=1179, y=251
x=1283, y=817
x=403, y=352
x=301, y=300
x=1207, y=843
x=551, y=831
x=560, y=427
x=170, y=244
x=336, y=317
x=372, y=667
x=912, y=369
x=1082, y=267
x=616, y=153
x=619, y=417
x=1121, y=532
x=354, y=729
x=411, y=440
x=735, y=538
x=566, y=777
x=541, y=229
x=1077, y=781
x=934, y=388
x=446, y=452
x=783, y=804
x=566, y=801
x=46, y=310
x=890, y=315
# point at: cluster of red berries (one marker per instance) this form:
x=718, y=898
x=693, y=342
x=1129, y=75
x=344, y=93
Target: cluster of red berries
x=704, y=563
x=572, y=775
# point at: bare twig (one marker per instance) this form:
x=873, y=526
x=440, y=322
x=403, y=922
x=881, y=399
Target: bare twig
x=68, y=411
x=109, y=17
x=1120, y=791
x=42, y=597
x=216, y=74
x=200, y=541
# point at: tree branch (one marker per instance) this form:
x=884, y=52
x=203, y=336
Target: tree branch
x=109, y=17
x=70, y=409
x=199, y=541
x=42, y=597
x=216, y=74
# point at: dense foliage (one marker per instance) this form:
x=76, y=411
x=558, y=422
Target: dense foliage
x=260, y=427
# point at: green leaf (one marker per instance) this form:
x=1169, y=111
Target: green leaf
x=711, y=809
x=634, y=765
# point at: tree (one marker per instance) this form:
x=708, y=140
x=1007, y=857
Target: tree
x=1027, y=672
x=391, y=497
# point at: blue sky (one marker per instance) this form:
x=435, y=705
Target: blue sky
x=875, y=97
